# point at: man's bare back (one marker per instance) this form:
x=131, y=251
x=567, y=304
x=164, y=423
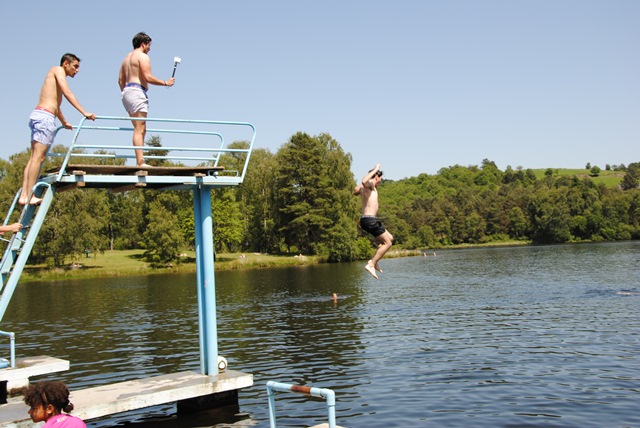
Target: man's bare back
x=130, y=69
x=136, y=66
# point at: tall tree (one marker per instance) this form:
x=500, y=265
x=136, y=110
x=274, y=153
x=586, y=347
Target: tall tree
x=227, y=220
x=163, y=236
x=313, y=192
x=256, y=194
x=631, y=179
x=155, y=141
x=126, y=220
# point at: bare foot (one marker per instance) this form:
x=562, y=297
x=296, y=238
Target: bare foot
x=144, y=165
x=371, y=270
x=378, y=268
x=33, y=201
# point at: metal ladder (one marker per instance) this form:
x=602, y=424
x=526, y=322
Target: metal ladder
x=20, y=244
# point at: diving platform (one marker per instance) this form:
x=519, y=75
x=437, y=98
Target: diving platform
x=193, y=160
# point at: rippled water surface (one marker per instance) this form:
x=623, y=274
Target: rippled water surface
x=500, y=337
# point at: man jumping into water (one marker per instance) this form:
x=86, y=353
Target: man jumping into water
x=134, y=80
x=42, y=120
x=369, y=223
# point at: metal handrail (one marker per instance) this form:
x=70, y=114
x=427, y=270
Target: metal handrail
x=213, y=153
x=327, y=394
x=12, y=346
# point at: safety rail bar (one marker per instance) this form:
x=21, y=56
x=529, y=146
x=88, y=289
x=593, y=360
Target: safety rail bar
x=327, y=394
x=12, y=347
x=214, y=152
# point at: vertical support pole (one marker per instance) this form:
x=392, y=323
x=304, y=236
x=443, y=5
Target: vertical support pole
x=197, y=224
x=206, y=281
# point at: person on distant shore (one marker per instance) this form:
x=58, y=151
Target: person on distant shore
x=15, y=227
x=369, y=223
x=42, y=120
x=47, y=400
x=134, y=80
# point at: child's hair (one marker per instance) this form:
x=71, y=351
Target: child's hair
x=52, y=392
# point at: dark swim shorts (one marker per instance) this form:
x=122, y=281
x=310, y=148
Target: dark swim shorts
x=372, y=225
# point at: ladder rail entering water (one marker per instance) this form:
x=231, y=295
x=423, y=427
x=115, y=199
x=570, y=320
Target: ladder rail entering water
x=325, y=393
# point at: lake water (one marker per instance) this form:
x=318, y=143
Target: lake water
x=545, y=336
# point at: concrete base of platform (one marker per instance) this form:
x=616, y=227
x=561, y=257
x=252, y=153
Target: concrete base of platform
x=18, y=377
x=211, y=401
x=92, y=403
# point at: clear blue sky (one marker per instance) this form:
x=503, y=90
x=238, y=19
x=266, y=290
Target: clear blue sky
x=415, y=85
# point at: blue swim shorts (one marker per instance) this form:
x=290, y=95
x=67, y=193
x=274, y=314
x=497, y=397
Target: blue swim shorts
x=43, y=126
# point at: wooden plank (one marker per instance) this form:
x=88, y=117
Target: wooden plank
x=120, y=397
x=133, y=170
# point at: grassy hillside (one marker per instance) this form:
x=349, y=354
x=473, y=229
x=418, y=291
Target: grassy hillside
x=608, y=178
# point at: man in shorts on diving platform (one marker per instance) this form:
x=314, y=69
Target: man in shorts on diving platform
x=42, y=120
x=368, y=190
x=134, y=80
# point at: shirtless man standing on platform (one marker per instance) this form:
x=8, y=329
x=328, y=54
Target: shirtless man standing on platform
x=369, y=223
x=42, y=120
x=134, y=80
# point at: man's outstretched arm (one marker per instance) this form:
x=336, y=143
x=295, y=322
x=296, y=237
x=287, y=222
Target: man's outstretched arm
x=367, y=178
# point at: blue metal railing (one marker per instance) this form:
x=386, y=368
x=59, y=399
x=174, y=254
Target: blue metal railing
x=12, y=347
x=210, y=153
x=327, y=394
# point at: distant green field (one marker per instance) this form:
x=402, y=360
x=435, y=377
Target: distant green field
x=131, y=262
x=608, y=178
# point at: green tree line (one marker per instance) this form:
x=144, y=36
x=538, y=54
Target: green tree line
x=299, y=200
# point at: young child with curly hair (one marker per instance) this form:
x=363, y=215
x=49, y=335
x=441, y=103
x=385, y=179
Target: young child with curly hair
x=47, y=401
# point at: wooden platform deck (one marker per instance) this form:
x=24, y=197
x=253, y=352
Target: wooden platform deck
x=92, y=403
x=133, y=170
x=118, y=178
